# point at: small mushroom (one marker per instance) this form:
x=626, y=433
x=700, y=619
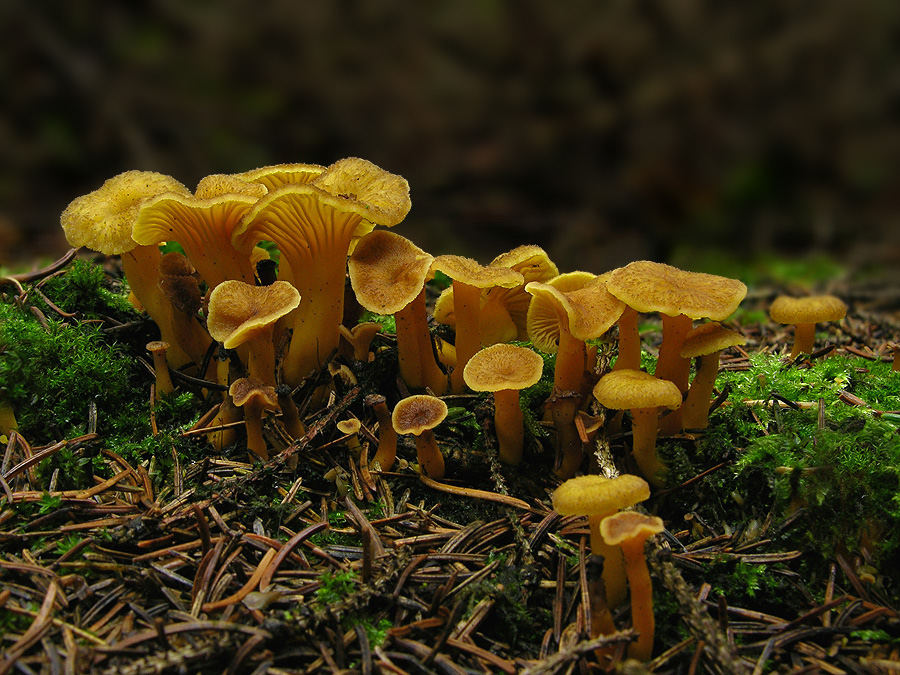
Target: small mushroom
x=360, y=338
x=705, y=343
x=386, y=454
x=597, y=497
x=643, y=395
x=470, y=278
x=630, y=530
x=182, y=290
x=388, y=275
x=241, y=314
x=350, y=428
x=418, y=415
x=254, y=396
x=505, y=370
x=158, y=349
x=805, y=313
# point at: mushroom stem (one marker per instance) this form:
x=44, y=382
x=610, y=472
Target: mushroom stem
x=695, y=411
x=467, y=305
x=629, y=341
x=804, y=339
x=601, y=616
x=429, y=455
x=641, y=587
x=386, y=454
x=644, y=429
x=161, y=367
x=613, y=562
x=261, y=362
x=509, y=425
x=290, y=415
x=256, y=444
x=567, y=378
x=411, y=321
x=8, y=420
x=671, y=366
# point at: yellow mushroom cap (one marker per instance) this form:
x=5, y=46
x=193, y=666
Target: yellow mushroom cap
x=246, y=389
x=381, y=196
x=473, y=273
x=654, y=287
x=503, y=366
x=237, y=311
x=593, y=495
x=102, y=220
x=628, y=389
x=626, y=525
x=157, y=346
x=276, y=175
x=415, y=414
x=349, y=426
x=709, y=338
x=811, y=309
x=387, y=271
x=586, y=311
x=220, y=184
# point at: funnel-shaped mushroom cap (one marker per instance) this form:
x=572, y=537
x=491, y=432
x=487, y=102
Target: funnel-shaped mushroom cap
x=249, y=389
x=812, y=309
x=654, y=287
x=586, y=312
x=708, y=339
x=629, y=525
x=276, y=175
x=387, y=271
x=473, y=273
x=634, y=389
x=102, y=220
x=415, y=414
x=203, y=224
x=239, y=311
x=501, y=367
x=592, y=495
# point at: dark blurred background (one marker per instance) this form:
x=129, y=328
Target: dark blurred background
x=687, y=131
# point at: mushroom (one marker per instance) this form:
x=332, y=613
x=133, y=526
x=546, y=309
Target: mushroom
x=504, y=311
x=164, y=384
x=805, y=313
x=387, y=437
x=275, y=176
x=243, y=314
x=643, y=395
x=290, y=415
x=203, y=223
x=630, y=530
x=418, y=415
x=313, y=226
x=561, y=322
x=469, y=279
x=388, y=274
x=360, y=338
x=254, y=396
x=679, y=297
x=182, y=290
x=705, y=343
x=102, y=220
x=504, y=370
x=350, y=428
x=597, y=497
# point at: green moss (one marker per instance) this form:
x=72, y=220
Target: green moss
x=86, y=288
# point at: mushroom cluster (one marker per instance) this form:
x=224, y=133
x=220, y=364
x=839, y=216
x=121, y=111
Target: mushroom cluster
x=287, y=329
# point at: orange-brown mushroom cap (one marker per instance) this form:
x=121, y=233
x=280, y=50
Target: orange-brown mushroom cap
x=254, y=397
x=805, y=313
x=505, y=369
x=418, y=415
x=704, y=343
x=238, y=311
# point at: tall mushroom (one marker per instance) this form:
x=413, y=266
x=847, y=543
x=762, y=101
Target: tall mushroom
x=805, y=313
x=643, y=395
x=243, y=314
x=561, y=322
x=388, y=274
x=203, y=223
x=705, y=343
x=469, y=279
x=313, y=226
x=418, y=415
x=505, y=370
x=102, y=221
x=630, y=530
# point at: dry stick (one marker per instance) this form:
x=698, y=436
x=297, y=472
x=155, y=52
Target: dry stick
x=266, y=579
x=36, y=630
x=242, y=593
x=476, y=494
